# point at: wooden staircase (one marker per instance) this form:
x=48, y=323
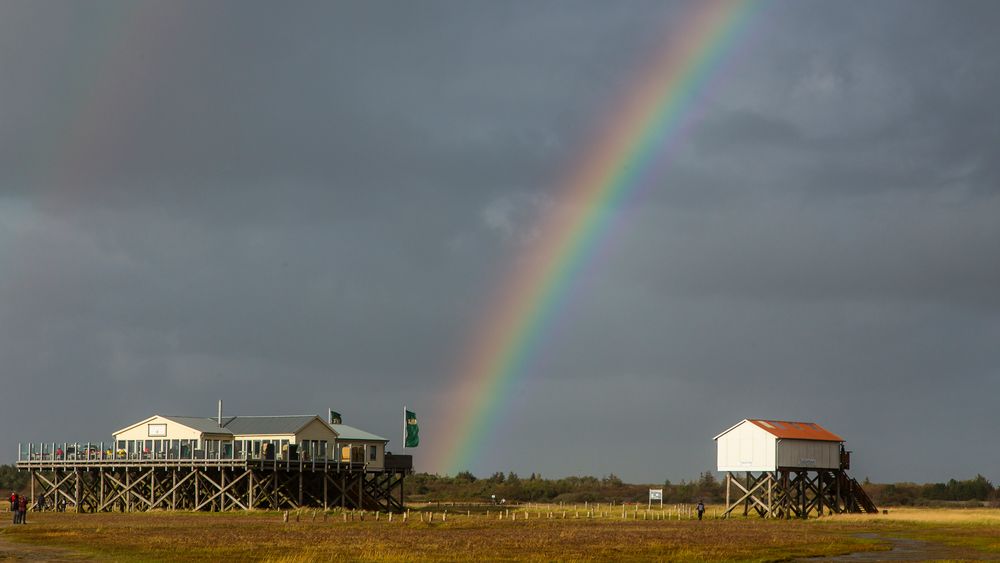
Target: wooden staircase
x=854, y=496
x=864, y=502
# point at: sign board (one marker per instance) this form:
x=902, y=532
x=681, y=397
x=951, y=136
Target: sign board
x=655, y=494
x=157, y=430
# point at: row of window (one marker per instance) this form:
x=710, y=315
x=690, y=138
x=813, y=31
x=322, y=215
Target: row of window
x=239, y=449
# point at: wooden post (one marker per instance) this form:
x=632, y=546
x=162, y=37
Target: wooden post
x=325, y=474
x=729, y=477
x=770, y=497
x=76, y=494
x=819, y=495
x=300, y=484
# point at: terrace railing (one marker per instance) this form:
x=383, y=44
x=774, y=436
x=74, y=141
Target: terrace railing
x=53, y=454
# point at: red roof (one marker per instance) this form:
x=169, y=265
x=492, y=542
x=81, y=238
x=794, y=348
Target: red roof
x=796, y=430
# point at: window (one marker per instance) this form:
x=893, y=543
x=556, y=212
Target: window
x=372, y=453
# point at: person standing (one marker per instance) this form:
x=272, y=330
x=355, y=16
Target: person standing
x=13, y=506
x=701, y=509
x=22, y=505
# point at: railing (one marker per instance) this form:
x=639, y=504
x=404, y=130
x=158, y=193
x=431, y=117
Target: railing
x=72, y=453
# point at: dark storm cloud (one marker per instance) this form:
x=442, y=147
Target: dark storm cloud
x=295, y=209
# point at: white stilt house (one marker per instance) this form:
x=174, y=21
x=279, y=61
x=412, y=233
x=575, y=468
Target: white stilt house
x=221, y=463
x=789, y=469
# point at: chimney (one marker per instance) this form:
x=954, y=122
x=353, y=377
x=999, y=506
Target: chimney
x=220, y=413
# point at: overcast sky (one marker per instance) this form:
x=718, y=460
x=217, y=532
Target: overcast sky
x=301, y=207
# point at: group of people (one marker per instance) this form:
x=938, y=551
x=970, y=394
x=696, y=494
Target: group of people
x=19, y=507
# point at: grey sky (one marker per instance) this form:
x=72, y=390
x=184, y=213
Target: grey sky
x=308, y=207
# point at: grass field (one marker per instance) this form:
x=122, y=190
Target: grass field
x=164, y=536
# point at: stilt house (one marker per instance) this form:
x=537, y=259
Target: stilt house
x=784, y=469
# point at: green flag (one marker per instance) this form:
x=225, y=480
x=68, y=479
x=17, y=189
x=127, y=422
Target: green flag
x=412, y=430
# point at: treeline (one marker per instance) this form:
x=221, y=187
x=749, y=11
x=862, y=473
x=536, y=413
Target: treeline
x=12, y=480
x=977, y=489
x=535, y=488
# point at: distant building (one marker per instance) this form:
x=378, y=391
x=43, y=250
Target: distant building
x=307, y=437
x=221, y=463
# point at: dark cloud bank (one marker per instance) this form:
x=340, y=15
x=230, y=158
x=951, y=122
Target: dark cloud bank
x=295, y=209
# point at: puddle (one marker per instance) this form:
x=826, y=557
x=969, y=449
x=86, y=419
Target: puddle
x=904, y=549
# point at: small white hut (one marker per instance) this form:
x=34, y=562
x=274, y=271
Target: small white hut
x=755, y=444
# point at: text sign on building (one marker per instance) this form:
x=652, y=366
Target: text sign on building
x=157, y=430
x=655, y=494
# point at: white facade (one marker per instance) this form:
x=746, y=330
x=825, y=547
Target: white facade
x=158, y=427
x=749, y=447
x=306, y=438
x=746, y=447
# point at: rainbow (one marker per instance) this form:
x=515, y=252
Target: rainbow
x=651, y=119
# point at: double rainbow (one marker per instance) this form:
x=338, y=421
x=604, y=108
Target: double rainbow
x=649, y=122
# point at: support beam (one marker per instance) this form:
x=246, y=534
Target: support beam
x=124, y=486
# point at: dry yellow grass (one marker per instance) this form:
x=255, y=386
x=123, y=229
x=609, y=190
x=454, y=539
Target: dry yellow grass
x=262, y=536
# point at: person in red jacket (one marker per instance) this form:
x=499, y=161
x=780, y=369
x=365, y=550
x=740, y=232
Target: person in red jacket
x=13, y=506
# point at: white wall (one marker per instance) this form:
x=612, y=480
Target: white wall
x=316, y=430
x=175, y=431
x=747, y=447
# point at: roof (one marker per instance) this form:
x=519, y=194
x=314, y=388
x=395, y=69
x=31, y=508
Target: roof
x=263, y=425
x=345, y=432
x=792, y=430
x=288, y=424
x=202, y=424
